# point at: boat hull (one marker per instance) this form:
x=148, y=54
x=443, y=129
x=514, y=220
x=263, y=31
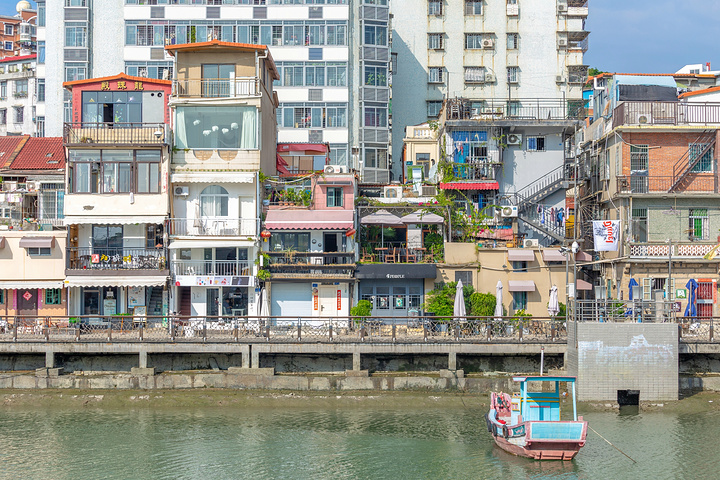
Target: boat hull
x=556, y=451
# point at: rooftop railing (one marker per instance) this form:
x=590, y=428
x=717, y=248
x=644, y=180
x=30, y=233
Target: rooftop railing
x=216, y=87
x=699, y=182
x=666, y=113
x=115, y=133
x=514, y=109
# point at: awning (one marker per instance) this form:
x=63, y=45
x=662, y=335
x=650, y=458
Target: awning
x=521, y=255
x=178, y=244
x=114, y=220
x=583, y=285
x=521, y=286
x=424, y=218
x=470, y=186
x=309, y=219
x=213, y=177
x=2, y=242
x=553, y=255
x=37, y=242
x=21, y=284
x=583, y=257
x=115, y=281
x=382, y=217
x=302, y=147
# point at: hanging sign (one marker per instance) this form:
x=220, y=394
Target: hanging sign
x=606, y=234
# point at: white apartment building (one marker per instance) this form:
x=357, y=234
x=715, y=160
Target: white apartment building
x=18, y=94
x=333, y=57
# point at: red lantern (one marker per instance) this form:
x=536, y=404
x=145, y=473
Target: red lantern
x=350, y=232
x=265, y=234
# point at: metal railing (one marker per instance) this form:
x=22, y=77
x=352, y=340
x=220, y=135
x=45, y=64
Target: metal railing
x=89, y=258
x=541, y=109
x=398, y=252
x=609, y=310
x=679, y=250
x=208, y=267
x=311, y=258
x=214, y=226
x=699, y=182
x=216, y=87
x=115, y=133
x=666, y=113
x=474, y=169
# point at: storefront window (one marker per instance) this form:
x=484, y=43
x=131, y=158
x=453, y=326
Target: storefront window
x=234, y=301
x=297, y=242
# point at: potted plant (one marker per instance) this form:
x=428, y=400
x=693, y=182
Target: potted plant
x=263, y=275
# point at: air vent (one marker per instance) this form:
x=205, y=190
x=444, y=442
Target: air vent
x=157, y=12
x=212, y=12
x=315, y=12
x=260, y=12
x=315, y=95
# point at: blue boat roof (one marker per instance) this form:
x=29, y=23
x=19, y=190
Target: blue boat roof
x=544, y=378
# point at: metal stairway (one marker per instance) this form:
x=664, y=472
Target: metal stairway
x=684, y=166
x=541, y=218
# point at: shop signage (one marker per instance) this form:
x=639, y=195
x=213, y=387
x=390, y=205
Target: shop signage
x=396, y=272
x=213, y=281
x=680, y=293
x=339, y=299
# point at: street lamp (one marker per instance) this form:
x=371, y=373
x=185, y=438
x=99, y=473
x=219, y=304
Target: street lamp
x=566, y=251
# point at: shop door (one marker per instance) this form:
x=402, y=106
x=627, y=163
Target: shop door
x=91, y=302
x=213, y=297
x=328, y=302
x=291, y=300
x=705, y=299
x=27, y=301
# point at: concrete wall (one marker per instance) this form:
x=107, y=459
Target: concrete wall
x=16, y=264
x=607, y=357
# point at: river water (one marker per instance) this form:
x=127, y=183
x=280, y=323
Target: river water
x=348, y=442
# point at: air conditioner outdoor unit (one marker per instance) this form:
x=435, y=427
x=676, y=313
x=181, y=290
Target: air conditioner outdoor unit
x=559, y=79
x=428, y=191
x=335, y=169
x=514, y=139
x=488, y=43
x=182, y=191
x=392, y=192
x=489, y=78
x=531, y=242
x=562, y=43
x=509, y=211
x=33, y=186
x=643, y=118
x=562, y=8
x=9, y=186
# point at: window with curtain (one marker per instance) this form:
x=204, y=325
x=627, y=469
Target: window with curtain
x=216, y=128
x=214, y=202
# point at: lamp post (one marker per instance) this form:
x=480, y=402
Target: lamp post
x=575, y=248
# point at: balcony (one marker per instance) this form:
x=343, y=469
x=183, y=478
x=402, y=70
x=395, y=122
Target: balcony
x=288, y=265
x=666, y=113
x=492, y=110
x=700, y=183
x=102, y=260
x=226, y=268
x=660, y=251
x=474, y=170
x=400, y=252
x=216, y=87
x=214, y=226
x=92, y=134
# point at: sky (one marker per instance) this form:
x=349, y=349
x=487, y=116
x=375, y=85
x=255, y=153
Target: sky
x=645, y=36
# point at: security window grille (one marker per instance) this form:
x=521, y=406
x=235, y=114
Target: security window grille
x=513, y=40
x=435, y=7
x=435, y=41
x=474, y=74
x=705, y=162
x=650, y=285
x=519, y=300
x=698, y=226
x=473, y=41
x=639, y=158
x=640, y=225
x=513, y=74
x=536, y=144
x=436, y=75
x=53, y=296
x=465, y=276
x=39, y=251
x=19, y=114
x=473, y=7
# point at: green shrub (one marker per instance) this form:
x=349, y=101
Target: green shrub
x=363, y=309
x=483, y=305
x=441, y=301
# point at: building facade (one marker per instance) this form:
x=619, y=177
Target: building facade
x=18, y=96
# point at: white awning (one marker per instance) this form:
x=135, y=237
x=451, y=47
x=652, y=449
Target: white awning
x=37, y=242
x=521, y=255
x=213, y=177
x=18, y=284
x=115, y=281
x=553, y=255
x=206, y=243
x=114, y=220
x=521, y=286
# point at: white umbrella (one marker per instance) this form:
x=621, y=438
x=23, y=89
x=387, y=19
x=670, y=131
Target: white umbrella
x=553, y=305
x=498, y=301
x=459, y=307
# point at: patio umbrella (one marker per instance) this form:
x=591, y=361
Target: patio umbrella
x=459, y=306
x=553, y=304
x=422, y=218
x=691, y=310
x=384, y=219
x=498, y=301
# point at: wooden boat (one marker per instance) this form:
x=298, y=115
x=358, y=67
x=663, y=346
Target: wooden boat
x=529, y=424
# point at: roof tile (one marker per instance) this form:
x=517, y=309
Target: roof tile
x=40, y=153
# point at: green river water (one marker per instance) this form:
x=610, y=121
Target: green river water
x=347, y=440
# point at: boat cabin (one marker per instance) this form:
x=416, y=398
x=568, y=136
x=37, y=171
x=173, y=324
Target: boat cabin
x=540, y=405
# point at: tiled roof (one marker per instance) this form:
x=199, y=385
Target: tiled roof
x=119, y=76
x=40, y=153
x=700, y=92
x=9, y=148
x=18, y=58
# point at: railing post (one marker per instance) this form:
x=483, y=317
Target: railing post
x=299, y=330
x=362, y=332
x=552, y=332
x=457, y=333
x=236, y=333
x=488, y=329
x=141, y=331
x=77, y=333
x=425, y=332
x=394, y=329
x=330, y=332
x=712, y=330
x=520, y=331
x=109, y=331
x=204, y=337
x=46, y=329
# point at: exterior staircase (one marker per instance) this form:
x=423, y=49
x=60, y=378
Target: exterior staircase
x=683, y=168
x=155, y=302
x=540, y=218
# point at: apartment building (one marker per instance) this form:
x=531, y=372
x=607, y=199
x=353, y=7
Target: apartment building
x=333, y=58
x=18, y=32
x=19, y=93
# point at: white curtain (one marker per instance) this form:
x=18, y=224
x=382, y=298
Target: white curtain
x=249, y=129
x=180, y=133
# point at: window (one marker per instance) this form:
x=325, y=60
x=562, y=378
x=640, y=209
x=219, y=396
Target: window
x=376, y=76
x=297, y=242
x=435, y=41
x=433, y=108
x=2, y=296
x=436, y=75
x=217, y=127
x=376, y=158
x=153, y=236
x=375, y=35
x=474, y=74
x=3, y=116
x=375, y=117
x=3, y=90
x=466, y=276
x=336, y=75
x=519, y=300
x=75, y=72
x=216, y=79
x=338, y=155
x=53, y=296
x=435, y=7
x=334, y=197
x=39, y=251
x=8, y=45
x=513, y=74
x=473, y=41
x=19, y=114
x=75, y=35
x=519, y=266
x=214, y=202
x=40, y=127
x=21, y=88
x=698, y=223
x=114, y=171
x=536, y=144
x=473, y=7
x=513, y=40
x=40, y=85
x=705, y=164
x=335, y=35
x=639, y=158
x=41, y=14
x=148, y=170
x=640, y=225
x=650, y=285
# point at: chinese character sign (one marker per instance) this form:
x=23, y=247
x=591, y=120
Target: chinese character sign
x=606, y=234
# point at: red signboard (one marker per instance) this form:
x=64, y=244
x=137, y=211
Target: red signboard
x=315, y=302
x=339, y=298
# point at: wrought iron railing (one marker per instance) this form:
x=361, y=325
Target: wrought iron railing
x=89, y=258
x=699, y=182
x=115, y=133
x=475, y=169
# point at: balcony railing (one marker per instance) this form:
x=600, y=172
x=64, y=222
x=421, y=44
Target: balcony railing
x=640, y=184
x=666, y=113
x=230, y=268
x=214, y=226
x=89, y=258
x=115, y=133
x=661, y=250
x=539, y=109
x=474, y=170
x=216, y=87
x=399, y=252
x=311, y=264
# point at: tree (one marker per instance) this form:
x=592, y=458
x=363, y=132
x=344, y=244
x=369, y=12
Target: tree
x=592, y=71
x=483, y=305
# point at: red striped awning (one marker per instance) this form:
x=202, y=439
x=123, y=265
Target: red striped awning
x=470, y=186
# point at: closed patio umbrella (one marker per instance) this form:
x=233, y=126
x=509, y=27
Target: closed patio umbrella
x=459, y=311
x=632, y=284
x=553, y=304
x=498, y=301
x=691, y=310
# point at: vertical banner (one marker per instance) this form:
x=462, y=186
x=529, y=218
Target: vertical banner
x=606, y=234
x=339, y=300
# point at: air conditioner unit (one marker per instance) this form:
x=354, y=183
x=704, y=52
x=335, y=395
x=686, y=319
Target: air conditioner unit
x=335, y=169
x=509, y=211
x=559, y=79
x=488, y=43
x=9, y=186
x=531, y=242
x=562, y=8
x=489, y=78
x=428, y=191
x=514, y=139
x=392, y=192
x=33, y=186
x=643, y=119
x=182, y=191
x=562, y=43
